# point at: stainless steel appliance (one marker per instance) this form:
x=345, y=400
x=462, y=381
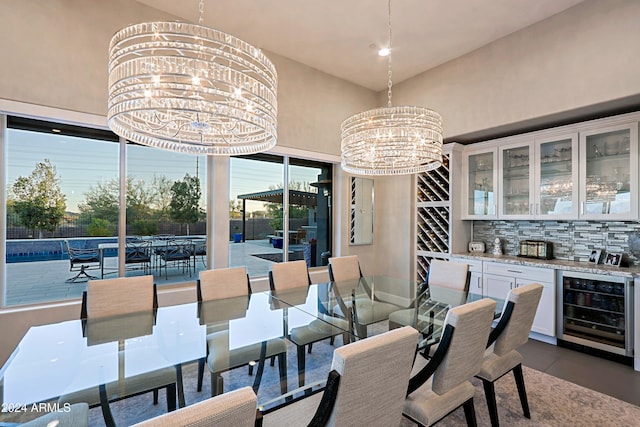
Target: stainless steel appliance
x=596, y=312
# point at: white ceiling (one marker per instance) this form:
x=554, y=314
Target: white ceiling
x=341, y=37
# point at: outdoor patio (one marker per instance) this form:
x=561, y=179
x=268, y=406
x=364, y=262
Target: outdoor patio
x=28, y=283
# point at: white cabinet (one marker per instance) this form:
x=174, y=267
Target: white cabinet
x=538, y=179
x=475, y=268
x=556, y=177
x=479, y=199
x=499, y=279
x=609, y=172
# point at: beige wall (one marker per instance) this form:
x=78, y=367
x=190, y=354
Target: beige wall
x=584, y=56
x=58, y=58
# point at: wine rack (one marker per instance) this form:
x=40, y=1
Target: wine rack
x=433, y=216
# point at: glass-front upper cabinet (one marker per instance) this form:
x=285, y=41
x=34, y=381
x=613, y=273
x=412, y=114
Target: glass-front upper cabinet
x=609, y=172
x=516, y=181
x=479, y=199
x=556, y=177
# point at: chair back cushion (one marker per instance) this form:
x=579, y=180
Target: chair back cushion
x=472, y=323
x=223, y=283
x=516, y=333
x=289, y=275
x=448, y=274
x=374, y=373
x=110, y=297
x=344, y=268
x=233, y=409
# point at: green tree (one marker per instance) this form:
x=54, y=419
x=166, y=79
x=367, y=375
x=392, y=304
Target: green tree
x=102, y=201
x=274, y=210
x=185, y=200
x=235, y=209
x=39, y=201
x=161, y=191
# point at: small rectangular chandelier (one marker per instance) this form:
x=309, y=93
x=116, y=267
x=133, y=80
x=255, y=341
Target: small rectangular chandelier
x=192, y=89
x=392, y=140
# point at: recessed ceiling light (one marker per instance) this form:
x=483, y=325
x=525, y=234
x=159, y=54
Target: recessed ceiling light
x=56, y=130
x=385, y=51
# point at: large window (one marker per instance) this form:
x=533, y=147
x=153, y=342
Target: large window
x=264, y=232
x=55, y=175
x=64, y=207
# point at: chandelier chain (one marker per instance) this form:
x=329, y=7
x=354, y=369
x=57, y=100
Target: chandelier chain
x=389, y=73
x=201, y=11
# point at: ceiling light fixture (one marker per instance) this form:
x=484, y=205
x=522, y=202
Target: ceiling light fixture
x=192, y=89
x=392, y=140
x=385, y=51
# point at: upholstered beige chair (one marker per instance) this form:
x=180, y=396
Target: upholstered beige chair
x=366, y=387
x=76, y=415
x=511, y=332
x=102, y=303
x=236, y=408
x=369, y=309
x=448, y=284
x=226, y=291
x=344, y=268
x=292, y=277
x=443, y=384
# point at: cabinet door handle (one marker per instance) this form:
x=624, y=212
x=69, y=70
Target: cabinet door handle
x=514, y=271
x=582, y=207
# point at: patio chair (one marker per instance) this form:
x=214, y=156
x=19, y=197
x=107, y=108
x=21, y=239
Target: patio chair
x=502, y=355
x=106, y=300
x=366, y=386
x=177, y=253
x=222, y=296
x=444, y=383
x=138, y=252
x=81, y=260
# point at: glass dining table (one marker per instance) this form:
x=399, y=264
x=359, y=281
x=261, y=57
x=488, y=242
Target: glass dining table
x=58, y=359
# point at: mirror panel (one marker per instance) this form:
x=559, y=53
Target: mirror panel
x=361, y=225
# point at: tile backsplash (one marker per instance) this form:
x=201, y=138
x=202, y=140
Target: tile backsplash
x=572, y=240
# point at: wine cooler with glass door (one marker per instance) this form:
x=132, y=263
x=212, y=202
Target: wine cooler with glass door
x=596, y=315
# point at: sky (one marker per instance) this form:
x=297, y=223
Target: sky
x=82, y=163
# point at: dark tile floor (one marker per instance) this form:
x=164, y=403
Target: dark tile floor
x=611, y=378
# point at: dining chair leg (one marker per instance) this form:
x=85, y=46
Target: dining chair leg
x=301, y=364
x=201, y=363
x=104, y=404
x=490, y=394
x=309, y=348
x=179, y=386
x=217, y=384
x=470, y=413
x=522, y=392
x=171, y=397
x=155, y=396
x=282, y=369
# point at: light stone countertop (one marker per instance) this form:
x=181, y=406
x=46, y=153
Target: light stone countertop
x=558, y=264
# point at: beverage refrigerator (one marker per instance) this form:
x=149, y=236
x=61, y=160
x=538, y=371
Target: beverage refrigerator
x=595, y=314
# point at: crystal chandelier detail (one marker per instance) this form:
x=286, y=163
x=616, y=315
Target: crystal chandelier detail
x=192, y=89
x=392, y=140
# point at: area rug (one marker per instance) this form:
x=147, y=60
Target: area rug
x=553, y=402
